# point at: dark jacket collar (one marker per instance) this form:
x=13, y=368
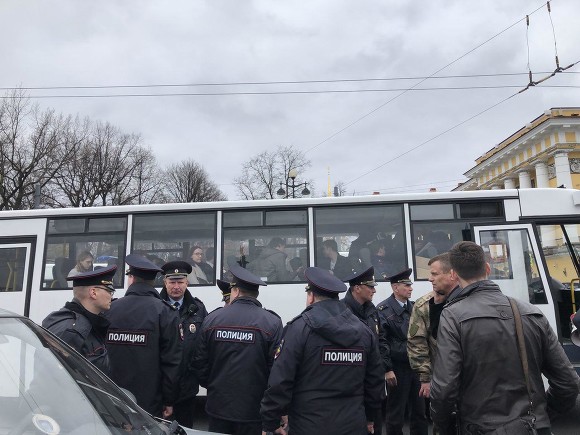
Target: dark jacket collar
x=395, y=306
x=248, y=300
x=99, y=324
x=142, y=289
x=462, y=293
x=361, y=311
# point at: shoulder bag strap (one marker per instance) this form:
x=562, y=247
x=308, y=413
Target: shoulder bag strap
x=522, y=349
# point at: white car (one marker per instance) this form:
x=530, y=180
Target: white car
x=46, y=387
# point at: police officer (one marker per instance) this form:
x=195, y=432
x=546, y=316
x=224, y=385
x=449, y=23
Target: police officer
x=191, y=314
x=358, y=299
x=80, y=323
x=327, y=375
x=143, y=340
x=235, y=355
x=402, y=383
x=225, y=288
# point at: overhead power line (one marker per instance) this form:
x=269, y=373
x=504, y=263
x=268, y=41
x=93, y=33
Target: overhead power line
x=257, y=93
x=421, y=81
x=268, y=83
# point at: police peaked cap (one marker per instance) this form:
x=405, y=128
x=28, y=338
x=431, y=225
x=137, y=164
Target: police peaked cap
x=225, y=287
x=322, y=280
x=141, y=267
x=245, y=279
x=402, y=277
x=176, y=269
x=102, y=277
x=366, y=277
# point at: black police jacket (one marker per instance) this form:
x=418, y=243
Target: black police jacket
x=234, y=357
x=84, y=331
x=327, y=375
x=395, y=322
x=369, y=314
x=144, y=347
x=191, y=315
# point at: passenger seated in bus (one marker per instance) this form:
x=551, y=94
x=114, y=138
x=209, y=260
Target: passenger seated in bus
x=383, y=267
x=298, y=269
x=338, y=265
x=271, y=262
x=202, y=272
x=84, y=263
x=359, y=253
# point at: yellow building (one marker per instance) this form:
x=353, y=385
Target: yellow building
x=544, y=153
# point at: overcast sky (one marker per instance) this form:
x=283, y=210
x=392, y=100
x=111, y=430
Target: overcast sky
x=140, y=42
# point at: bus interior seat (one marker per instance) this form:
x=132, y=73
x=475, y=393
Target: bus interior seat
x=62, y=266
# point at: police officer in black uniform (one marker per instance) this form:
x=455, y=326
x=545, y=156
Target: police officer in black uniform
x=80, y=323
x=359, y=298
x=402, y=383
x=191, y=314
x=235, y=356
x=143, y=341
x=225, y=288
x=327, y=375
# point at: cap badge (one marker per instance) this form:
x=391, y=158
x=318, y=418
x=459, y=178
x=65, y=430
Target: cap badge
x=176, y=270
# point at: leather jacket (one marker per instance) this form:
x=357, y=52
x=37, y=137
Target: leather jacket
x=478, y=367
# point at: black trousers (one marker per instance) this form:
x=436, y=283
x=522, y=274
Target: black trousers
x=378, y=422
x=234, y=427
x=183, y=412
x=405, y=395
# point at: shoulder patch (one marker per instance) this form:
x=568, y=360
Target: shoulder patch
x=279, y=349
x=413, y=329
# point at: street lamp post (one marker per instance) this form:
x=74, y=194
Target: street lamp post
x=292, y=174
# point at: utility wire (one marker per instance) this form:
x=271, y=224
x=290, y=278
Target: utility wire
x=432, y=138
x=268, y=83
x=418, y=83
x=329, y=91
x=458, y=125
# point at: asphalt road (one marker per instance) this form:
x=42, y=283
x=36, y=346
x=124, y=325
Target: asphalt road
x=566, y=425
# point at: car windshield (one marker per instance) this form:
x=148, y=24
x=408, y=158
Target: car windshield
x=46, y=388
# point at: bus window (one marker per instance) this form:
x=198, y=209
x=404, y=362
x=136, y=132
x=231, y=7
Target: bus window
x=271, y=244
x=513, y=264
x=164, y=237
x=12, y=267
x=437, y=227
x=356, y=237
x=431, y=239
x=76, y=245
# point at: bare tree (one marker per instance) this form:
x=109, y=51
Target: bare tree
x=188, y=181
x=262, y=174
x=33, y=145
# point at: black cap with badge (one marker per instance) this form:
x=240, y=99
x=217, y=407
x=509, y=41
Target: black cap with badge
x=141, y=267
x=245, y=279
x=402, y=277
x=323, y=281
x=176, y=269
x=366, y=277
x=102, y=277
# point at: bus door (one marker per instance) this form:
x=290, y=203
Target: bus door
x=513, y=253
x=16, y=263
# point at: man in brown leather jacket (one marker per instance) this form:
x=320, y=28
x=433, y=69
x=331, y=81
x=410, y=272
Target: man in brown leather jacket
x=478, y=367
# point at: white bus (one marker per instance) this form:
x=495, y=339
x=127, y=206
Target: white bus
x=530, y=235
